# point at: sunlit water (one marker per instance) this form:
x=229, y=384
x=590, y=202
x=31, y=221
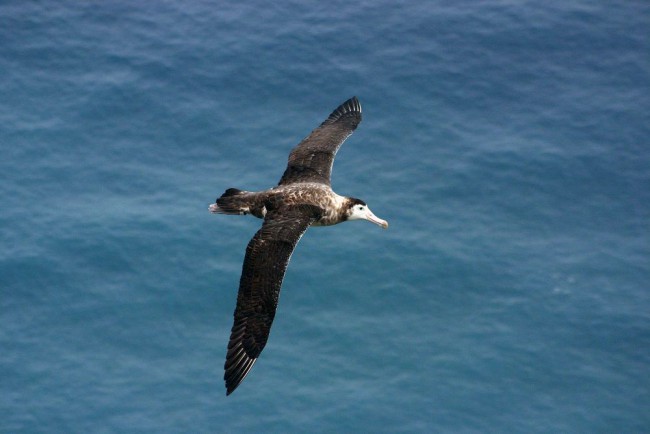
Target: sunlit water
x=505, y=142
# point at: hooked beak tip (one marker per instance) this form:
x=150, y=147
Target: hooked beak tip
x=379, y=222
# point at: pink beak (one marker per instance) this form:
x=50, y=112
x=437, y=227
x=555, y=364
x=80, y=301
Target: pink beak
x=376, y=220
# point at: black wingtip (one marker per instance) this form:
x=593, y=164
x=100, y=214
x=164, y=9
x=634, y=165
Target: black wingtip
x=238, y=365
x=234, y=378
x=350, y=106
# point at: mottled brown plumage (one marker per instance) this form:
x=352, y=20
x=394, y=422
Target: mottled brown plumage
x=311, y=160
x=302, y=198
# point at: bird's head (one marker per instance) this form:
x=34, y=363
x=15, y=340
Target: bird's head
x=358, y=210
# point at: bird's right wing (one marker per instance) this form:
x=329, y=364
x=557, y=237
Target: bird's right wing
x=267, y=257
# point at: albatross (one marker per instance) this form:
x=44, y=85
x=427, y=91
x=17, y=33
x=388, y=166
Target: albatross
x=302, y=198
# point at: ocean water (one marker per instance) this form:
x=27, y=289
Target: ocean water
x=506, y=143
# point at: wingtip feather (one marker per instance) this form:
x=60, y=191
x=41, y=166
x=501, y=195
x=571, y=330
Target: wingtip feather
x=350, y=106
x=235, y=377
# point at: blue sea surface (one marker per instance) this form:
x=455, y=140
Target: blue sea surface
x=506, y=142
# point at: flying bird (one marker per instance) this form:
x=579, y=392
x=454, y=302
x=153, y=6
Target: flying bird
x=302, y=198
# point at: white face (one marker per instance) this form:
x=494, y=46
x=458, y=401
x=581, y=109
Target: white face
x=362, y=212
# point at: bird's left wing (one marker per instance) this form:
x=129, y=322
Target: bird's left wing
x=267, y=257
x=311, y=160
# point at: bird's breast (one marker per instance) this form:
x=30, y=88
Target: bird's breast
x=318, y=195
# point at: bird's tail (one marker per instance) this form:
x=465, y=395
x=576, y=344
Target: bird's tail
x=233, y=201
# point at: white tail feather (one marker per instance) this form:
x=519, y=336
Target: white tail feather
x=216, y=209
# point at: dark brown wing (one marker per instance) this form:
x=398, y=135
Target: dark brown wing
x=311, y=160
x=267, y=257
